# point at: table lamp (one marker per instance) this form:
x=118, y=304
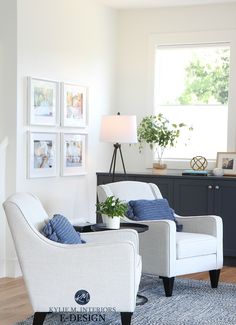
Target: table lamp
x=118, y=129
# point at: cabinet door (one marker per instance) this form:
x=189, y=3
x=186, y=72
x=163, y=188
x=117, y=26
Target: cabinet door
x=193, y=197
x=225, y=202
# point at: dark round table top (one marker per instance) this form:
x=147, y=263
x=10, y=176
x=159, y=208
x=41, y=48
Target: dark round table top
x=139, y=227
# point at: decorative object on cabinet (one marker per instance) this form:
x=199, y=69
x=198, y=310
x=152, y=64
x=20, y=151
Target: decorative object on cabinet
x=118, y=129
x=165, y=252
x=159, y=168
x=42, y=154
x=73, y=154
x=158, y=133
x=218, y=172
x=73, y=105
x=227, y=162
x=198, y=163
x=192, y=172
x=112, y=209
x=43, y=102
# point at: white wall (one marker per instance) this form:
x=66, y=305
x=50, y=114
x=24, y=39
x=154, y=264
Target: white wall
x=3, y=147
x=8, y=61
x=67, y=40
x=135, y=29
x=64, y=40
x=8, y=117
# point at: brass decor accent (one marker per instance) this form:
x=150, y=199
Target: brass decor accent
x=198, y=163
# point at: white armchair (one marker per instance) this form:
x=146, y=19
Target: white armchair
x=107, y=266
x=168, y=253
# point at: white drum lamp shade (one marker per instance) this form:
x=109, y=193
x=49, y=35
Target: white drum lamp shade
x=119, y=129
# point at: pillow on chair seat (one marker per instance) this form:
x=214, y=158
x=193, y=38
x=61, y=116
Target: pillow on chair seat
x=158, y=209
x=60, y=229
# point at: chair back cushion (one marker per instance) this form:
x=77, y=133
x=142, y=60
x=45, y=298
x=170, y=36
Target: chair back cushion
x=129, y=190
x=28, y=206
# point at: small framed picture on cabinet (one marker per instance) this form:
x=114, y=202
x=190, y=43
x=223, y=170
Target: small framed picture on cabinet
x=227, y=162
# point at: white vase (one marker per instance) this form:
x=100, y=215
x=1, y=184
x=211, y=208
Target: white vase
x=111, y=223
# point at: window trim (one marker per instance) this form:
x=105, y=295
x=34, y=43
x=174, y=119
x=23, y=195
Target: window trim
x=192, y=38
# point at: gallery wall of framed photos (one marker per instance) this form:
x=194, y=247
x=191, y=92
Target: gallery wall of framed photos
x=57, y=121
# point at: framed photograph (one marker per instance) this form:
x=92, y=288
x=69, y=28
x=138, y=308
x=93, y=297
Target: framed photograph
x=43, y=102
x=227, y=161
x=74, y=105
x=43, y=154
x=73, y=160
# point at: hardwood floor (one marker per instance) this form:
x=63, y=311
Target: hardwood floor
x=14, y=301
x=228, y=274
x=15, y=305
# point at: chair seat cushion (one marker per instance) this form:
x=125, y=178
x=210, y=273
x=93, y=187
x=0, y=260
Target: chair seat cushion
x=60, y=229
x=193, y=244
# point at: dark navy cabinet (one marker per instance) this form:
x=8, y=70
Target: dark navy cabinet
x=209, y=196
x=194, y=195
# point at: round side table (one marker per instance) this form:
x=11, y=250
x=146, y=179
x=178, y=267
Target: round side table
x=139, y=227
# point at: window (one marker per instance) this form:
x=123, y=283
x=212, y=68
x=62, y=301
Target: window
x=191, y=86
x=162, y=100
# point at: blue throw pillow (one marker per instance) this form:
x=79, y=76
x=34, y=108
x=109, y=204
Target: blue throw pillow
x=59, y=229
x=130, y=213
x=152, y=210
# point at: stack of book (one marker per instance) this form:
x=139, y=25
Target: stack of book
x=195, y=172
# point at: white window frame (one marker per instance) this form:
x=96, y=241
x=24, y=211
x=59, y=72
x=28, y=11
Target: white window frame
x=193, y=38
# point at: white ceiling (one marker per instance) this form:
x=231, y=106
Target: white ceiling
x=137, y=4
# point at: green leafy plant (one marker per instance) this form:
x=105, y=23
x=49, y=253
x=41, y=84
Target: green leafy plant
x=112, y=207
x=158, y=133
x=207, y=82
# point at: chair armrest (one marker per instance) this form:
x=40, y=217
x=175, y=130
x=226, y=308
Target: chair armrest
x=158, y=247
x=108, y=271
x=209, y=224
x=111, y=236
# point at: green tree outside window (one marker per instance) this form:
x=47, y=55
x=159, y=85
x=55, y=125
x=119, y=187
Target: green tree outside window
x=207, y=82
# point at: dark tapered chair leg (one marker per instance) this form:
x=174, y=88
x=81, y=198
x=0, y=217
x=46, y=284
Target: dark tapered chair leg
x=126, y=318
x=39, y=318
x=168, y=285
x=214, y=277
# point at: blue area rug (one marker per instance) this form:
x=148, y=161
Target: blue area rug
x=193, y=303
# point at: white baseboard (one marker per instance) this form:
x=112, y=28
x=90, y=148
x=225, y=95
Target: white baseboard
x=2, y=268
x=13, y=269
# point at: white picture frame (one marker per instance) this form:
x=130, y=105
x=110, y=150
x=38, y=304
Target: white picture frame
x=73, y=105
x=42, y=154
x=43, y=102
x=73, y=154
x=227, y=162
